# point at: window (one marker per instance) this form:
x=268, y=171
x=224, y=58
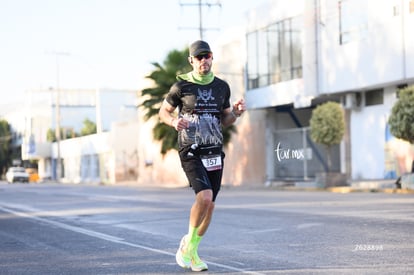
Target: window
x=296, y=49
x=263, y=68
x=353, y=23
x=252, y=65
x=374, y=97
x=274, y=53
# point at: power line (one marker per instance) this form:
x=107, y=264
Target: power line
x=200, y=4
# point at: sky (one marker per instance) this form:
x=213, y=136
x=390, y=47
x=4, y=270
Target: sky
x=88, y=44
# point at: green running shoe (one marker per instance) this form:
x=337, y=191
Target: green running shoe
x=197, y=264
x=182, y=257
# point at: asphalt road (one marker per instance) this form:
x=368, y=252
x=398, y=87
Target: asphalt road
x=86, y=229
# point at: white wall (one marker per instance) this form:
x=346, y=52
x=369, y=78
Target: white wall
x=81, y=157
x=107, y=157
x=375, y=58
x=91, y=144
x=408, y=39
x=367, y=142
x=274, y=95
x=273, y=11
x=368, y=138
x=125, y=145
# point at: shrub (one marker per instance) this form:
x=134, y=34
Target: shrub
x=327, y=126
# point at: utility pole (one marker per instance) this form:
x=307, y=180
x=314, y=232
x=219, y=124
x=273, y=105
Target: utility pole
x=57, y=103
x=200, y=5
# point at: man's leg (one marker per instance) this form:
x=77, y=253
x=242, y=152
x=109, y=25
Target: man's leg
x=206, y=185
x=200, y=217
x=207, y=200
x=206, y=221
x=201, y=211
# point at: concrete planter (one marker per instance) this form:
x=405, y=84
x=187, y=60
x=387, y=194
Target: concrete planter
x=330, y=179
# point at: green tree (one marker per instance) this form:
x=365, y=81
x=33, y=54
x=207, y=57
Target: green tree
x=327, y=126
x=65, y=133
x=401, y=120
x=163, y=77
x=51, y=135
x=5, y=139
x=89, y=127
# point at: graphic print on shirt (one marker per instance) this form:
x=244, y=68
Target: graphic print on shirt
x=205, y=95
x=204, y=126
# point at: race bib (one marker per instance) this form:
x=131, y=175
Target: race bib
x=211, y=162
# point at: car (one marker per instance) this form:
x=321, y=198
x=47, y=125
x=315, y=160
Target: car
x=17, y=174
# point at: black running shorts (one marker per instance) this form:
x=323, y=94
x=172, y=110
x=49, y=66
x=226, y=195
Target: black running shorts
x=198, y=176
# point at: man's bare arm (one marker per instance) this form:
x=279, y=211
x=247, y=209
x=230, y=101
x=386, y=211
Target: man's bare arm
x=166, y=115
x=230, y=115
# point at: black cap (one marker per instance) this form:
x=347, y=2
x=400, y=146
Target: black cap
x=198, y=47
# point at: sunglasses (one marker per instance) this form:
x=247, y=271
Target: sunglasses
x=204, y=55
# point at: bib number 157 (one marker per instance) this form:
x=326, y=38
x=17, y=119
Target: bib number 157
x=212, y=163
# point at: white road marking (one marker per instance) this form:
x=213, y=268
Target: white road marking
x=264, y=230
x=103, y=236
x=308, y=225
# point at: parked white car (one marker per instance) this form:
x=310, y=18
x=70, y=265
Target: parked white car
x=17, y=174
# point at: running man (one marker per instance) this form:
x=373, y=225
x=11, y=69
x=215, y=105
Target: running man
x=203, y=101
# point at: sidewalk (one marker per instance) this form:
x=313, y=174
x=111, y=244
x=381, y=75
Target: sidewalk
x=385, y=186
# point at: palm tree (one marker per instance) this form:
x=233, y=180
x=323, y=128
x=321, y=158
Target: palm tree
x=164, y=76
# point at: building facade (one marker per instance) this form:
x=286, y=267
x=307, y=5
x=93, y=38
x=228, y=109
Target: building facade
x=102, y=107
x=303, y=53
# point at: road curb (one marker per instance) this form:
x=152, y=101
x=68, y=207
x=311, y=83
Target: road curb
x=347, y=189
